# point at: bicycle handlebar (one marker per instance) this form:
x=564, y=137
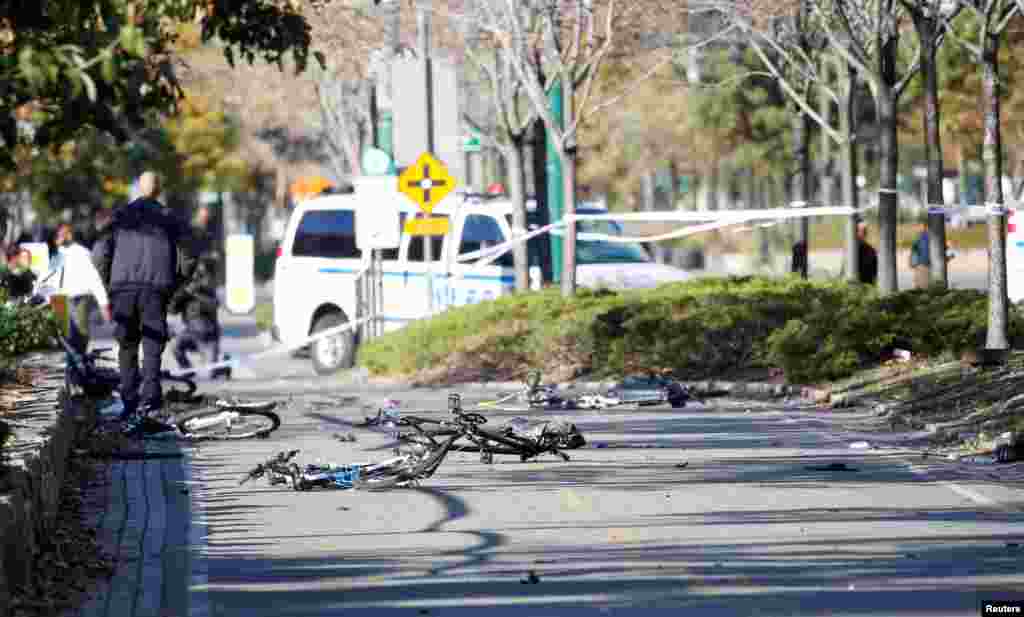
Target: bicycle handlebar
x=280, y=459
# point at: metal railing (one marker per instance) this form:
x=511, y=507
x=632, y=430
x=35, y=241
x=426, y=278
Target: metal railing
x=370, y=298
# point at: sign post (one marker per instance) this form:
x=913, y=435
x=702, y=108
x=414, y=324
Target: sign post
x=376, y=229
x=240, y=265
x=426, y=183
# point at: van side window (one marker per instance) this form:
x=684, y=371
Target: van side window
x=416, y=245
x=326, y=233
x=480, y=231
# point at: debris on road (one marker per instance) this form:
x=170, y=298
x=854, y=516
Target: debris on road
x=347, y=437
x=831, y=467
x=860, y=445
x=531, y=578
x=682, y=465
x=903, y=355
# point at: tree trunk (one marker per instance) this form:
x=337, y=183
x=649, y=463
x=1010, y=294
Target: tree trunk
x=888, y=198
x=927, y=33
x=647, y=181
x=992, y=156
x=567, y=152
x=539, y=157
x=848, y=154
x=801, y=187
x=517, y=193
x=825, y=169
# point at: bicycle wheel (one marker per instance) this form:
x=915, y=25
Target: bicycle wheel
x=226, y=424
x=246, y=406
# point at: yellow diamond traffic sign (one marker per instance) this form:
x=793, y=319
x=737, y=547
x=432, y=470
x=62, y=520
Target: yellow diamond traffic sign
x=426, y=182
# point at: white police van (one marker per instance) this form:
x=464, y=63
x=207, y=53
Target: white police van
x=318, y=262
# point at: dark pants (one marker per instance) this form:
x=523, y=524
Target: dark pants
x=78, y=328
x=140, y=317
x=199, y=333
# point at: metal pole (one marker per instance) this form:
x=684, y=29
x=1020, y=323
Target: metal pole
x=423, y=44
x=379, y=308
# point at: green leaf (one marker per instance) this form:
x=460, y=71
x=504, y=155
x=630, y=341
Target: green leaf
x=320, y=59
x=107, y=67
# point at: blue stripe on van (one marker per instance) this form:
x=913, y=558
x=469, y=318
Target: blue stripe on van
x=472, y=277
x=338, y=270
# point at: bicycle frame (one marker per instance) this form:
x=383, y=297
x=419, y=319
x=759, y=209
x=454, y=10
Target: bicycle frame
x=487, y=442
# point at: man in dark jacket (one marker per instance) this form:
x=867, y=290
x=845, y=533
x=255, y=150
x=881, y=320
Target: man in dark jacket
x=144, y=258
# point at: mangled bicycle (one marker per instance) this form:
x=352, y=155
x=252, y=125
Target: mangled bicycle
x=217, y=418
x=639, y=390
x=415, y=464
x=514, y=438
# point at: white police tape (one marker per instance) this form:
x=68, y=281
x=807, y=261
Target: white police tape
x=274, y=351
x=719, y=218
x=712, y=220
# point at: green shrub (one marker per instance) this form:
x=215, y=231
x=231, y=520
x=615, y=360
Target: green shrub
x=814, y=330
x=24, y=329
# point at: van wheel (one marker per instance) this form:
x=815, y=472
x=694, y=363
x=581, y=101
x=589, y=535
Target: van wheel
x=332, y=353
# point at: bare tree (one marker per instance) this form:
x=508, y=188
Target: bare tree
x=566, y=42
x=509, y=126
x=350, y=37
x=791, y=45
x=345, y=120
x=992, y=17
x=866, y=35
x=931, y=18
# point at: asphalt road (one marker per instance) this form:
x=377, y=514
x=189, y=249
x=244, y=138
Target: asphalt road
x=755, y=523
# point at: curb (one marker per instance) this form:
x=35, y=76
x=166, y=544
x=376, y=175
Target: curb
x=731, y=388
x=32, y=474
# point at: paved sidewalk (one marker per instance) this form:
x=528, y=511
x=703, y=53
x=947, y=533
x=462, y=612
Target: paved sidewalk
x=142, y=513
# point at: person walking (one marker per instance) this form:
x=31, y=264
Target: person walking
x=74, y=275
x=198, y=304
x=867, y=256
x=920, y=258
x=145, y=258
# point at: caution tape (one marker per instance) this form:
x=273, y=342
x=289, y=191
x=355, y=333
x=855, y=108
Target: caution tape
x=274, y=351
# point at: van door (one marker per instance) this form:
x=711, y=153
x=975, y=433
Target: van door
x=471, y=283
x=415, y=302
x=316, y=268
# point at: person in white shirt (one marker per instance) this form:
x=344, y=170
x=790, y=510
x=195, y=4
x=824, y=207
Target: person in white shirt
x=73, y=273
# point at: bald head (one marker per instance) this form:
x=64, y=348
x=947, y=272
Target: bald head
x=862, y=230
x=149, y=185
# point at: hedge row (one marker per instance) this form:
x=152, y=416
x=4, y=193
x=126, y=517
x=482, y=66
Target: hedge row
x=813, y=330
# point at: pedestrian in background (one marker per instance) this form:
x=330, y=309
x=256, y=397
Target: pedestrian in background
x=198, y=304
x=145, y=257
x=18, y=278
x=74, y=275
x=867, y=256
x=920, y=258
x=798, y=263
